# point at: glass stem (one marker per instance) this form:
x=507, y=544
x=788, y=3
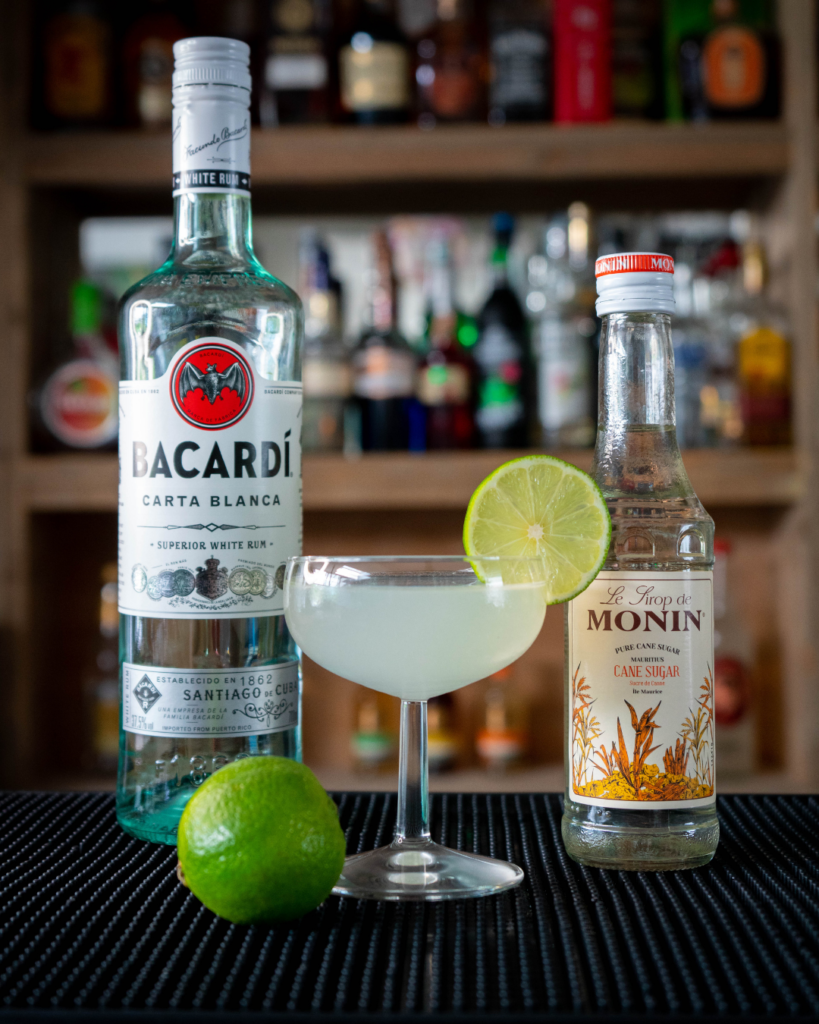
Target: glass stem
x=412, y=825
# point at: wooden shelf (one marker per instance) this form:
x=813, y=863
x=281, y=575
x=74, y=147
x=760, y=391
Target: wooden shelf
x=436, y=480
x=547, y=778
x=447, y=479
x=458, y=153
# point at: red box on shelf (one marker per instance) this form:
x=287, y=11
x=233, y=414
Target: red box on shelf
x=582, y=45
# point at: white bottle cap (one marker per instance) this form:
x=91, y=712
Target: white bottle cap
x=635, y=282
x=211, y=60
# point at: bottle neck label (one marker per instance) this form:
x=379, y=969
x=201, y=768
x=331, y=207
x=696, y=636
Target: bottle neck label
x=210, y=487
x=640, y=722
x=211, y=145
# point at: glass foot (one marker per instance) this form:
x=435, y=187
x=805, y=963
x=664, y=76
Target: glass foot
x=423, y=871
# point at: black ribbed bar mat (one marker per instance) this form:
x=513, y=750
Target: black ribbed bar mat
x=94, y=926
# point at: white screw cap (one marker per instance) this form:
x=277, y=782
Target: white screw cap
x=211, y=60
x=635, y=282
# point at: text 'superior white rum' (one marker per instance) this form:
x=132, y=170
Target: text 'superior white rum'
x=640, y=786
x=210, y=471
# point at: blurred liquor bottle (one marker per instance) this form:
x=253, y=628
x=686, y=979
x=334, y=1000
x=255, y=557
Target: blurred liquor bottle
x=502, y=740
x=501, y=355
x=443, y=737
x=733, y=658
x=148, y=61
x=582, y=47
x=564, y=332
x=450, y=71
x=245, y=20
x=722, y=60
x=77, y=406
x=73, y=81
x=520, y=61
x=326, y=369
x=719, y=311
x=296, y=87
x=102, y=682
x=416, y=18
x=383, y=363
x=693, y=342
x=374, y=740
x=446, y=379
x=374, y=67
x=763, y=360
x=636, y=59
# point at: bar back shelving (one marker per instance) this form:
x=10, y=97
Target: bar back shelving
x=57, y=511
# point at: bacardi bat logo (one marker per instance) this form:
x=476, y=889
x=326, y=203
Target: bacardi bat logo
x=211, y=381
x=212, y=385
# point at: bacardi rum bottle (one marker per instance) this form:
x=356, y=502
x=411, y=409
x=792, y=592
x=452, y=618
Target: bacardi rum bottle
x=210, y=471
x=640, y=787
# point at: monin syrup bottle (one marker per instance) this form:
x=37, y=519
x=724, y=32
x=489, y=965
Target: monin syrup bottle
x=640, y=787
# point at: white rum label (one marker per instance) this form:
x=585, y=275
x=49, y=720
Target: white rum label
x=210, y=487
x=210, y=702
x=211, y=147
x=641, y=690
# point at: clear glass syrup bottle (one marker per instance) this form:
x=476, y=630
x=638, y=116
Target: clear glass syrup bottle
x=640, y=786
x=210, y=471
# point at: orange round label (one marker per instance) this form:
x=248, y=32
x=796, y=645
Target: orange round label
x=80, y=404
x=733, y=64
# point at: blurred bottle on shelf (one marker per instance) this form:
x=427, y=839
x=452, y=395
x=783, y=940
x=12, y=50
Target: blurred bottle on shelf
x=636, y=59
x=384, y=365
x=692, y=343
x=443, y=739
x=722, y=60
x=374, y=67
x=296, y=88
x=326, y=368
x=148, y=62
x=450, y=70
x=501, y=355
x=102, y=682
x=76, y=80
x=582, y=48
x=374, y=740
x=564, y=332
x=763, y=360
x=239, y=20
x=520, y=61
x=416, y=17
x=733, y=658
x=78, y=404
x=446, y=377
x=719, y=303
x=502, y=740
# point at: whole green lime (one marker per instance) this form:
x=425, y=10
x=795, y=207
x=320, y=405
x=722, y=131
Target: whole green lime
x=261, y=841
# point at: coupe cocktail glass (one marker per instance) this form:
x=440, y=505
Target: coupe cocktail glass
x=416, y=627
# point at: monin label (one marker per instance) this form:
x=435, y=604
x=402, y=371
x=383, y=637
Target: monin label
x=210, y=487
x=641, y=691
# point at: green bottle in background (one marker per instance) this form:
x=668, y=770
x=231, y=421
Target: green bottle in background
x=722, y=60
